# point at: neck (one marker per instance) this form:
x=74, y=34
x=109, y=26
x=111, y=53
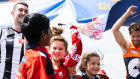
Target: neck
x=41, y=43
x=16, y=26
x=56, y=64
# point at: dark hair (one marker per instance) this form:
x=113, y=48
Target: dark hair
x=59, y=38
x=85, y=59
x=134, y=27
x=23, y=3
x=32, y=26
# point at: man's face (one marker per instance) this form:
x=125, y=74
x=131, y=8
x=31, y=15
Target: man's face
x=135, y=38
x=19, y=12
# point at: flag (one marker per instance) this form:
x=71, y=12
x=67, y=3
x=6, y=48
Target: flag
x=119, y=9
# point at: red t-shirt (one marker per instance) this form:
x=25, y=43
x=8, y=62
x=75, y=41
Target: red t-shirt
x=61, y=72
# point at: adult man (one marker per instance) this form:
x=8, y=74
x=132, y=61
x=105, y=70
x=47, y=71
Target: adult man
x=11, y=51
x=35, y=63
x=131, y=50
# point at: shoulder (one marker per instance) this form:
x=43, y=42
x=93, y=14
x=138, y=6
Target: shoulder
x=34, y=55
x=4, y=30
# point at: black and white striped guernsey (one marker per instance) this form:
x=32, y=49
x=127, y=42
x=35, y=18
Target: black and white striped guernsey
x=11, y=52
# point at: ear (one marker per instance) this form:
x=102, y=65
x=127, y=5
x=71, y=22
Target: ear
x=43, y=35
x=12, y=13
x=84, y=66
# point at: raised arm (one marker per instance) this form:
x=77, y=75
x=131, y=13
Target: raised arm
x=124, y=44
x=74, y=57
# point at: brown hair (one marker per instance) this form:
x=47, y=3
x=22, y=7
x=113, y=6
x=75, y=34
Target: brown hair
x=85, y=59
x=134, y=27
x=59, y=38
x=23, y=3
x=57, y=30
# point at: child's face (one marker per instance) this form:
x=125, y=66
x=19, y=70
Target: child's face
x=93, y=66
x=57, y=50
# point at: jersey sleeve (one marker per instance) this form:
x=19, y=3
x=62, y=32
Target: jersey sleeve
x=75, y=55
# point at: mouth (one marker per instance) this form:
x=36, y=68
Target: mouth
x=95, y=70
x=56, y=55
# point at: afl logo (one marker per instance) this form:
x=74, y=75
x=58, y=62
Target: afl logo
x=133, y=51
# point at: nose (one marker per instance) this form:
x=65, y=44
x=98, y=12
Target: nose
x=57, y=50
x=23, y=13
x=97, y=66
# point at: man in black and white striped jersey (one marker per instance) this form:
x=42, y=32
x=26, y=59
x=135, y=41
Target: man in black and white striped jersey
x=11, y=43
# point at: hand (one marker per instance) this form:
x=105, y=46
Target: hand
x=131, y=9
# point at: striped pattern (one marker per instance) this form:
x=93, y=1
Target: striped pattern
x=11, y=53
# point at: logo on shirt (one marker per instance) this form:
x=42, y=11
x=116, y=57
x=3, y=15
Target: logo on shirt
x=61, y=74
x=133, y=51
x=21, y=40
x=23, y=59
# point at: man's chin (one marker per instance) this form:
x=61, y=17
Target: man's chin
x=136, y=44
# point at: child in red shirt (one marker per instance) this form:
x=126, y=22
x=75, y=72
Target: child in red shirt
x=57, y=49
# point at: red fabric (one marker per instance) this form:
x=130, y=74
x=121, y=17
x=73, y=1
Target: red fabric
x=74, y=57
x=78, y=78
x=102, y=72
x=33, y=66
x=61, y=73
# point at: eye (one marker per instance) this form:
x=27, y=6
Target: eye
x=98, y=64
x=20, y=9
x=26, y=11
x=60, y=48
x=54, y=48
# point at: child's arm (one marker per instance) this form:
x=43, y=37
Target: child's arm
x=74, y=57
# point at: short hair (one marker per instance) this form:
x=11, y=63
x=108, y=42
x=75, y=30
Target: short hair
x=57, y=30
x=134, y=27
x=59, y=38
x=85, y=59
x=23, y=3
x=32, y=26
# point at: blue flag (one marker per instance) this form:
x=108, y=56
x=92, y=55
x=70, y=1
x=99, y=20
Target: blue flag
x=119, y=9
x=86, y=11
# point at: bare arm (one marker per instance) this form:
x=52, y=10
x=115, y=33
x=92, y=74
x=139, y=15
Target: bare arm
x=124, y=44
x=0, y=31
